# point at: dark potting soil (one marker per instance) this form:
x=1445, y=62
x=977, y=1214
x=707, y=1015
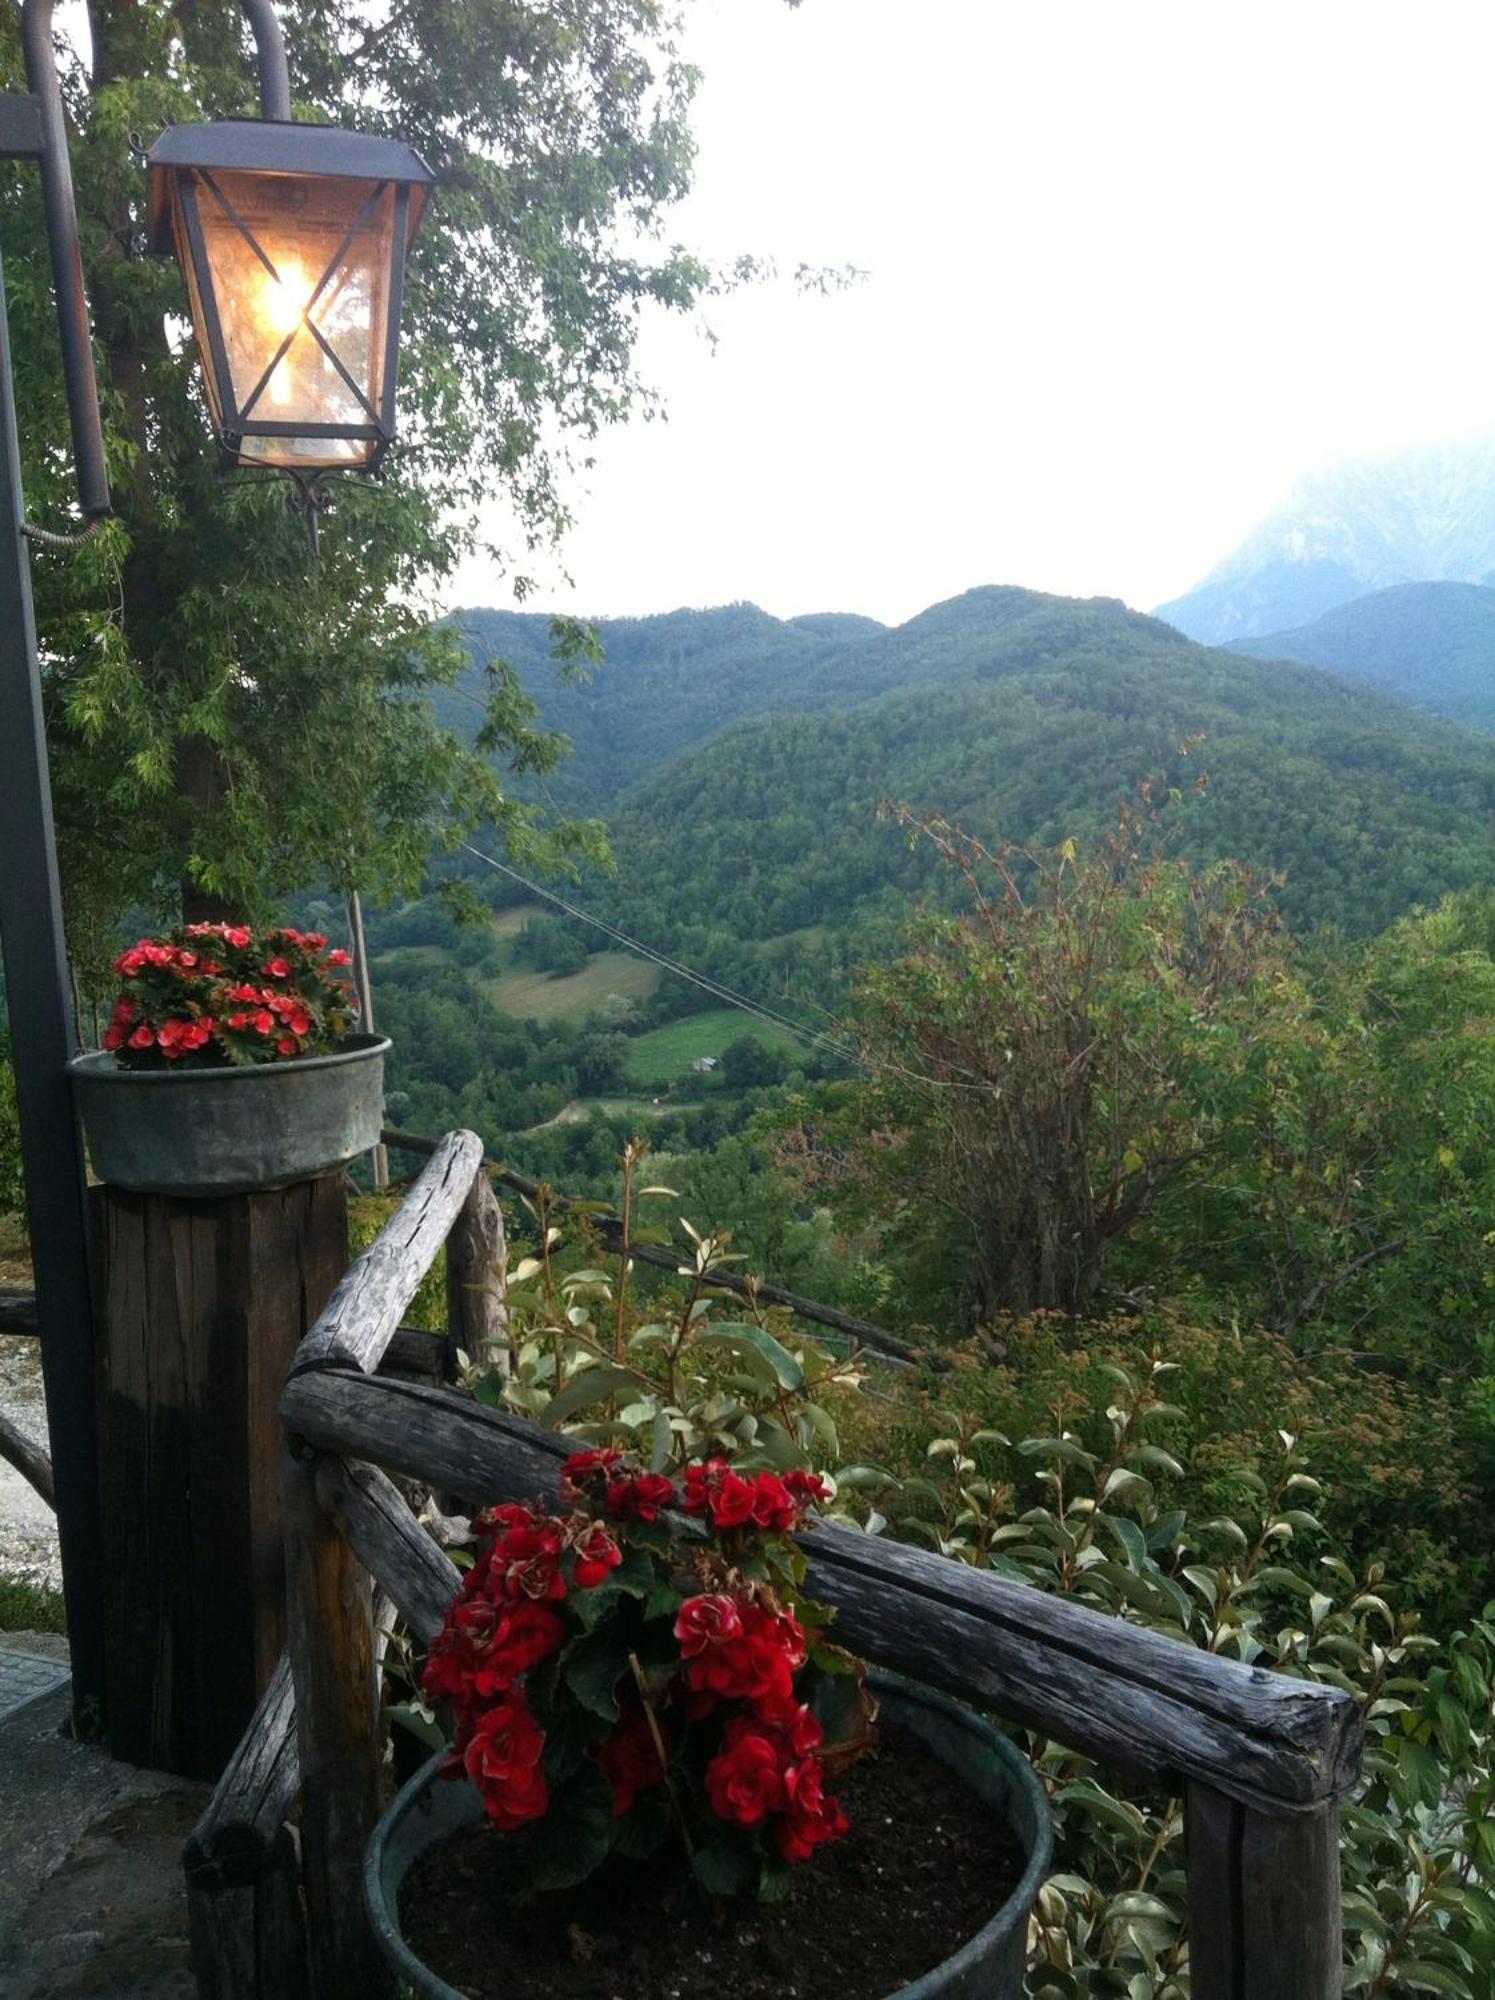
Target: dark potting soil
x=924, y=1866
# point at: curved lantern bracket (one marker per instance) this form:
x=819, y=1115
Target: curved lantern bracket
x=269, y=42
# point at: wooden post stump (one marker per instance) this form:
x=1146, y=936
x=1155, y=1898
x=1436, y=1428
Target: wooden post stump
x=203, y=1304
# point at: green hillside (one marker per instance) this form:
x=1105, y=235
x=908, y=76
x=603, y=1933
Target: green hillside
x=665, y=684
x=1030, y=717
x=668, y=684
x=1431, y=644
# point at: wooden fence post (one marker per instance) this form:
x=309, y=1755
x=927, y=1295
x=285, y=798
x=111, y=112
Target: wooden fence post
x=1264, y=1901
x=477, y=1316
x=331, y=1644
x=243, y=1874
x=203, y=1303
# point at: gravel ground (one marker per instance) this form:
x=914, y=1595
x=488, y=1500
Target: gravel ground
x=28, y=1529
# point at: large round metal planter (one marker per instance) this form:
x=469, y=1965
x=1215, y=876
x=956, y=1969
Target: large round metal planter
x=989, y=1966
x=209, y=1132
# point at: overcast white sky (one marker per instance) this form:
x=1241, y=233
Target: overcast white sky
x=1132, y=266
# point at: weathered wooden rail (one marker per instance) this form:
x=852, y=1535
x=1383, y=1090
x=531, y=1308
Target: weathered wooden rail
x=1261, y=1760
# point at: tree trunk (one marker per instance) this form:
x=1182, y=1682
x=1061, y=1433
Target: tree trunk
x=202, y=782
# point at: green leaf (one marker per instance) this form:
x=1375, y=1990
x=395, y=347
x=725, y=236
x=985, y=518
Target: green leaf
x=1419, y=1776
x=575, y=1836
x=1424, y=1977
x=592, y=1666
x=593, y=1385
x=422, y=1726
x=725, y=1866
x=1063, y=1448
x=634, y=1577
x=775, y=1879
x=570, y=1732
x=1137, y=1903
x=1283, y=1579
x=1121, y=1483
x=836, y=1702
x=823, y=1425
x=1161, y=1461
x=641, y=1832
x=1133, y=1541
x=753, y=1342
x=1114, y=1812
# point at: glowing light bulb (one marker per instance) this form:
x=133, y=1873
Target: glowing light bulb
x=281, y=305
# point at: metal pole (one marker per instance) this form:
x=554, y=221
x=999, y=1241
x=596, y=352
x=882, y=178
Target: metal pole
x=363, y=986
x=42, y=1041
x=67, y=261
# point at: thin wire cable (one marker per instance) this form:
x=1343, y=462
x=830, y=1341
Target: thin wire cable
x=812, y=1039
x=809, y=1036
x=927, y=1084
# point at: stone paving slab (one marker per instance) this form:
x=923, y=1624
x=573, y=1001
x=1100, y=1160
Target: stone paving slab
x=92, y=1902
x=25, y=1678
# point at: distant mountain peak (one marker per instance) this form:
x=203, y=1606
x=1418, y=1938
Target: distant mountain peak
x=1363, y=524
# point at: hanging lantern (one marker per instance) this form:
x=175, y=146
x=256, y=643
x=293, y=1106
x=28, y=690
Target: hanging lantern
x=292, y=240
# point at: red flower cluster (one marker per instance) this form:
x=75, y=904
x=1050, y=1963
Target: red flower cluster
x=768, y=1767
x=762, y=1500
x=717, y=1717
x=502, y=1624
x=222, y=993
x=773, y=1774
x=502, y=1758
x=738, y=1651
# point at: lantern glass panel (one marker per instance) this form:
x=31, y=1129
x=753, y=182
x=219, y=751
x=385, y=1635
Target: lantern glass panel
x=300, y=273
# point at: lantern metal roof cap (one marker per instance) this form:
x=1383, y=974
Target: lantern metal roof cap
x=273, y=146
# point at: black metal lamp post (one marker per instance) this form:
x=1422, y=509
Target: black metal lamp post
x=292, y=239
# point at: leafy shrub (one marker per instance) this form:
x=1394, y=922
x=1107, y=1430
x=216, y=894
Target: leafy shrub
x=1261, y=1581
x=1201, y=1516
x=1043, y=1066
x=1407, y=1486
x=30, y=1607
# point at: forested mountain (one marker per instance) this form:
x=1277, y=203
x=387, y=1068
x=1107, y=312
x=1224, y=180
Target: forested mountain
x=1029, y=717
x=1432, y=644
x=670, y=683
x=1355, y=527
x=665, y=684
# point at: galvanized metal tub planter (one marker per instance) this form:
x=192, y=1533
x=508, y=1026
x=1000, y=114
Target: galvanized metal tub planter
x=209, y=1132
x=989, y=1966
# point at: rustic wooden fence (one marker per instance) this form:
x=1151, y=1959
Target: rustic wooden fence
x=1262, y=1760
